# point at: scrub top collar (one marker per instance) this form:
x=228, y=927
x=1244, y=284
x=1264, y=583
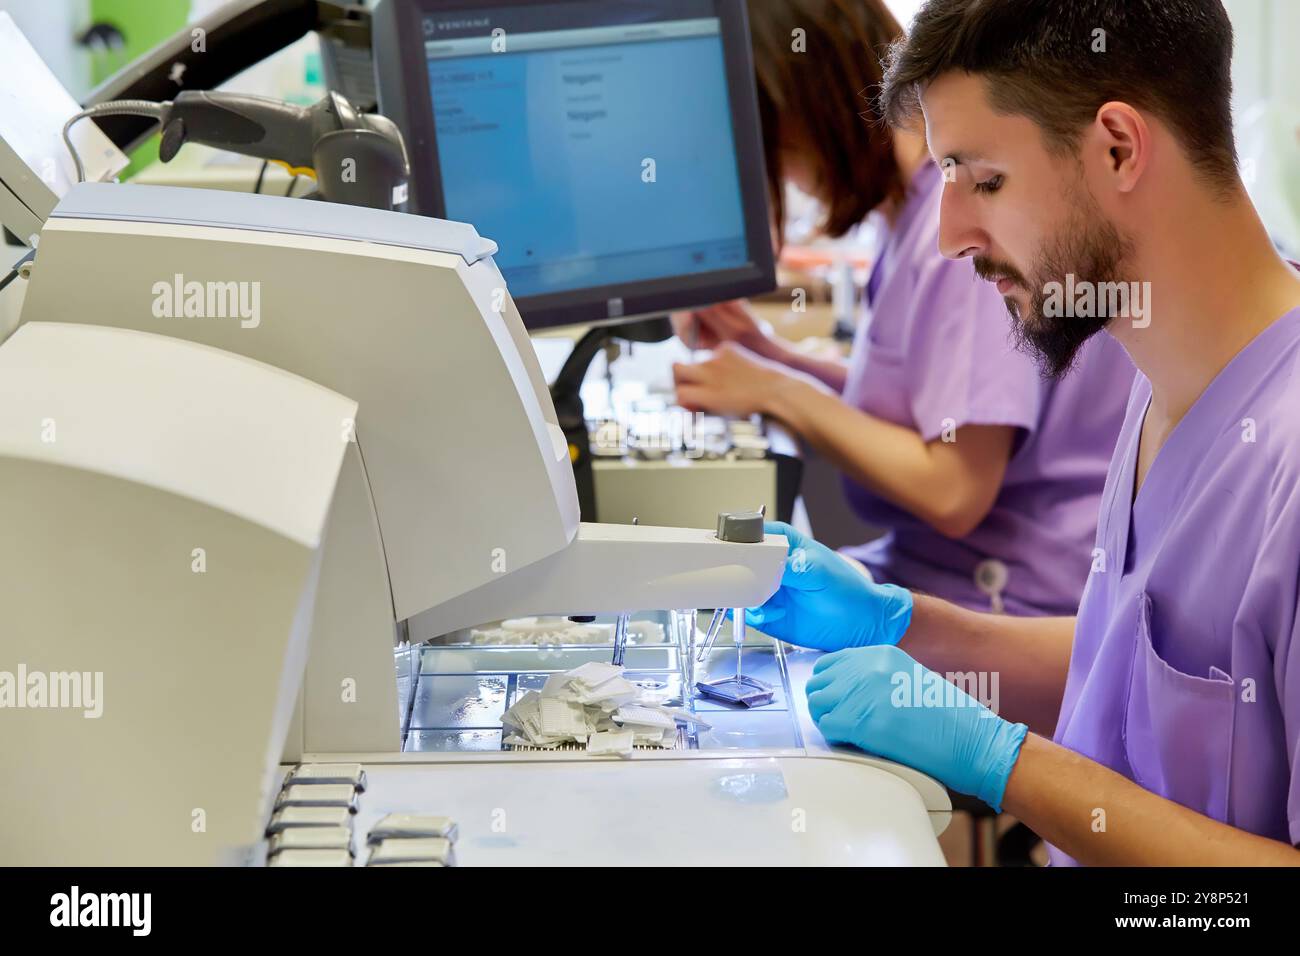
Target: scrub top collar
x=1170, y=474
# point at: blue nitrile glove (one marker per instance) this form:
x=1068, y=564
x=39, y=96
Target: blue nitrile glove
x=826, y=603
x=882, y=701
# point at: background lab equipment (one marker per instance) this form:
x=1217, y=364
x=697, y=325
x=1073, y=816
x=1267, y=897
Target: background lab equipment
x=456, y=507
x=636, y=454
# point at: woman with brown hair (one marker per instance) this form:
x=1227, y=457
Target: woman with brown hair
x=987, y=476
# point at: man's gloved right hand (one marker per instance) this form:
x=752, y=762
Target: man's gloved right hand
x=826, y=603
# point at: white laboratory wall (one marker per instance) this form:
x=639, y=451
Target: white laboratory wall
x=1267, y=40
x=1266, y=109
x=903, y=10
x=51, y=26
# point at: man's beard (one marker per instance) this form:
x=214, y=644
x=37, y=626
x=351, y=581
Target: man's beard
x=1091, y=249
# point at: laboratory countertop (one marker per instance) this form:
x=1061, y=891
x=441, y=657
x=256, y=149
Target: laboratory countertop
x=806, y=804
x=759, y=810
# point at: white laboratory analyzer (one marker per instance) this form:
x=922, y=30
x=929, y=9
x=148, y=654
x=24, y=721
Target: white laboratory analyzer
x=456, y=578
x=286, y=490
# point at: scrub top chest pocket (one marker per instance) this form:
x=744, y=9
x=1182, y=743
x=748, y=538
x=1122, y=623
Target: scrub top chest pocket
x=1177, y=726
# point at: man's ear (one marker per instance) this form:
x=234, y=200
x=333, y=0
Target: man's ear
x=1126, y=138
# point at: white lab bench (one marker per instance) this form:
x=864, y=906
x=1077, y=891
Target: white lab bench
x=809, y=805
x=671, y=809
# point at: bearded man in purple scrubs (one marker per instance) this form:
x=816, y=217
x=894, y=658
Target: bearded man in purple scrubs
x=1093, y=178
x=984, y=476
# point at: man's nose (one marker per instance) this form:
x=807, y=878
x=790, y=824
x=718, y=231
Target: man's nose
x=959, y=233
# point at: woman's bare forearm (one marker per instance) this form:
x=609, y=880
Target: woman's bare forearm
x=949, y=485
x=831, y=372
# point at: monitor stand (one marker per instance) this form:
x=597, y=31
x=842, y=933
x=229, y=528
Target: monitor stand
x=566, y=395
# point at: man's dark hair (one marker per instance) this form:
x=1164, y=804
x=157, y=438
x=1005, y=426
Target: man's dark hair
x=1044, y=59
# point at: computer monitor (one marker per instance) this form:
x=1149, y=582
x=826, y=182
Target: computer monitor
x=611, y=148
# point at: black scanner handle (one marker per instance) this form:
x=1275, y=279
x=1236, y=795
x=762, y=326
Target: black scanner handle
x=252, y=125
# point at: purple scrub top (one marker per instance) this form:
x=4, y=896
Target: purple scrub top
x=933, y=353
x=1185, y=672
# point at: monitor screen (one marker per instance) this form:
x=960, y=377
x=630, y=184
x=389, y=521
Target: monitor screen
x=609, y=147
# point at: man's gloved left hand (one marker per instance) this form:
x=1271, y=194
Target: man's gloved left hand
x=882, y=701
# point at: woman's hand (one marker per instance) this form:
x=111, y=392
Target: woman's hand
x=734, y=381
x=733, y=321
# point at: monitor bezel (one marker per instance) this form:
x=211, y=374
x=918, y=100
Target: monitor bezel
x=404, y=96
